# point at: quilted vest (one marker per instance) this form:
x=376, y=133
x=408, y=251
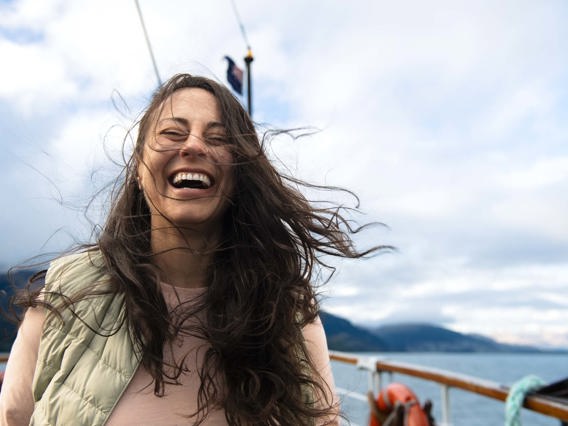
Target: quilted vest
x=81, y=374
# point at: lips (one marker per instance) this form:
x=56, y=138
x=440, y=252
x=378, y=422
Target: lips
x=191, y=179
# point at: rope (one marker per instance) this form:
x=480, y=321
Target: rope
x=516, y=397
x=393, y=418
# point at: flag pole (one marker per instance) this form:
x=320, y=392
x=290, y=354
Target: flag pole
x=248, y=60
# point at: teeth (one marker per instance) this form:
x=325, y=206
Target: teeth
x=200, y=177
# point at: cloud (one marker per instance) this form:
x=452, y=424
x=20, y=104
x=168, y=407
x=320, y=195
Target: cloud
x=448, y=120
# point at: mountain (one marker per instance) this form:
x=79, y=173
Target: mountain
x=420, y=337
x=344, y=336
x=8, y=325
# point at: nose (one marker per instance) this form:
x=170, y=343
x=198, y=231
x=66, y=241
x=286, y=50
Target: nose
x=194, y=145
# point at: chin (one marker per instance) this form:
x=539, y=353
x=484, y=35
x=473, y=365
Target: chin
x=197, y=222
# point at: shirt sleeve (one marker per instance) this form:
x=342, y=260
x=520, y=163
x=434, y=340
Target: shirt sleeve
x=16, y=397
x=316, y=344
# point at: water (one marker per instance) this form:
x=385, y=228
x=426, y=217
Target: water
x=466, y=409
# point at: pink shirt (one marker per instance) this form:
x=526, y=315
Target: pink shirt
x=138, y=405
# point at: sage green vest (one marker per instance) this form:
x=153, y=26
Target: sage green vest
x=80, y=375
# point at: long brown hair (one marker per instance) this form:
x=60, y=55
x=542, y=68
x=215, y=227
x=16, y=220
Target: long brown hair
x=259, y=291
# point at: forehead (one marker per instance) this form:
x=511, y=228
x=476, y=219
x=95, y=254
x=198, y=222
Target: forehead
x=192, y=104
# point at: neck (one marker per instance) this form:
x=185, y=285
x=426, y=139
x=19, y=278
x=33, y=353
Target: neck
x=183, y=259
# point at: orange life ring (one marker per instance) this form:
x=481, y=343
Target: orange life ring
x=399, y=393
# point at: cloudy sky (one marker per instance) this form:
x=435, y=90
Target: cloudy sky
x=449, y=119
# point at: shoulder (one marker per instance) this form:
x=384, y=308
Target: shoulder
x=75, y=272
x=314, y=333
x=78, y=292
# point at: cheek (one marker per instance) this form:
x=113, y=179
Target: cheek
x=150, y=168
x=144, y=177
x=228, y=182
x=226, y=165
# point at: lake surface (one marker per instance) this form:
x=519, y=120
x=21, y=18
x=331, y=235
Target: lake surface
x=466, y=409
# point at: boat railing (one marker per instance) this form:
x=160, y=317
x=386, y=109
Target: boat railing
x=447, y=380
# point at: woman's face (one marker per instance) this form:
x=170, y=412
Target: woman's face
x=186, y=168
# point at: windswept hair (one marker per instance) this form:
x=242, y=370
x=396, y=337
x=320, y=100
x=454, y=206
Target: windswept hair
x=259, y=285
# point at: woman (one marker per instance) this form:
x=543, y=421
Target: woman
x=195, y=304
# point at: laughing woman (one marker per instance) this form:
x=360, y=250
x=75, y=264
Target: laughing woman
x=195, y=304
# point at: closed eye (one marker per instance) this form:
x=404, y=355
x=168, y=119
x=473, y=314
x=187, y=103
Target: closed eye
x=174, y=134
x=217, y=140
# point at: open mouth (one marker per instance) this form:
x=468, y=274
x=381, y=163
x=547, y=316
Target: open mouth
x=191, y=180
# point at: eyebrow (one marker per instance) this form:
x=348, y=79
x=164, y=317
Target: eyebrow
x=185, y=122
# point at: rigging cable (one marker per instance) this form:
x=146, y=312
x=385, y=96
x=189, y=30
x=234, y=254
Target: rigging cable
x=148, y=43
x=241, y=26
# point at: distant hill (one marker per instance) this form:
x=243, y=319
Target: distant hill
x=8, y=327
x=419, y=337
x=344, y=336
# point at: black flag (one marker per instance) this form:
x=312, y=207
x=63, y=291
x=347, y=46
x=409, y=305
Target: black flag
x=235, y=76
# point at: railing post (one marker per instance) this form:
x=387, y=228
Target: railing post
x=370, y=364
x=377, y=382
x=445, y=405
